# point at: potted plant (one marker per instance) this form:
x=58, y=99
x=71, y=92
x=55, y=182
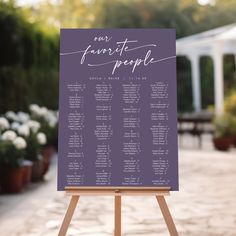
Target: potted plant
x=51, y=145
x=224, y=128
x=45, y=152
x=230, y=107
x=33, y=154
x=27, y=171
x=24, y=131
x=48, y=120
x=49, y=126
x=30, y=130
x=12, y=151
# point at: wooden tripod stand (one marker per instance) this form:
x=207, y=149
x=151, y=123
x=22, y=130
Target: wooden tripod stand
x=160, y=194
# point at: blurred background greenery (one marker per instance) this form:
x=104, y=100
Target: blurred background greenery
x=29, y=42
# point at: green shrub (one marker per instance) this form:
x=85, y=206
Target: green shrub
x=20, y=87
x=225, y=126
x=29, y=63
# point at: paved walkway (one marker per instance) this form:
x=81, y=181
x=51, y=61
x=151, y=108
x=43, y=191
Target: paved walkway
x=204, y=206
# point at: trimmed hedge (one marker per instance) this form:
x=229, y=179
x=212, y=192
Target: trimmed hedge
x=28, y=63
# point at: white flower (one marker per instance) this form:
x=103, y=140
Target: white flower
x=9, y=135
x=33, y=125
x=4, y=124
x=11, y=115
x=20, y=143
x=51, y=119
x=34, y=108
x=23, y=130
x=23, y=117
x=15, y=125
x=38, y=111
x=52, y=123
x=44, y=111
x=41, y=137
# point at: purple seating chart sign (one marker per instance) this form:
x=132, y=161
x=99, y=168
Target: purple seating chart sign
x=117, y=108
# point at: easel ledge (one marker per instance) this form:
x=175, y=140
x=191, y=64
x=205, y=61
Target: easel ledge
x=118, y=192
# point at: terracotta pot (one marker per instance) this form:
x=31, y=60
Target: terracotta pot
x=47, y=154
x=233, y=140
x=222, y=144
x=37, y=171
x=11, y=179
x=27, y=171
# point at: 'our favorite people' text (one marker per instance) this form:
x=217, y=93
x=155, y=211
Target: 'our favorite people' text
x=121, y=49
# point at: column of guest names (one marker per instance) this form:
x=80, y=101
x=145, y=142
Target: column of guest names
x=159, y=128
x=103, y=132
x=75, y=122
x=131, y=135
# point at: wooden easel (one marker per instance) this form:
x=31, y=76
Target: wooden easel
x=76, y=192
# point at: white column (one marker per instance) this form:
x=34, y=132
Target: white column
x=218, y=78
x=196, y=88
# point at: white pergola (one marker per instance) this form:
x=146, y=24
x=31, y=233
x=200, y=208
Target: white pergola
x=214, y=43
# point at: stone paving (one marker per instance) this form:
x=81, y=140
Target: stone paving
x=204, y=206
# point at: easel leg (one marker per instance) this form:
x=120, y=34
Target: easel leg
x=167, y=216
x=117, y=215
x=69, y=213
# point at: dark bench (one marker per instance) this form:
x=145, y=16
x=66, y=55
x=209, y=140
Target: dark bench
x=195, y=124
